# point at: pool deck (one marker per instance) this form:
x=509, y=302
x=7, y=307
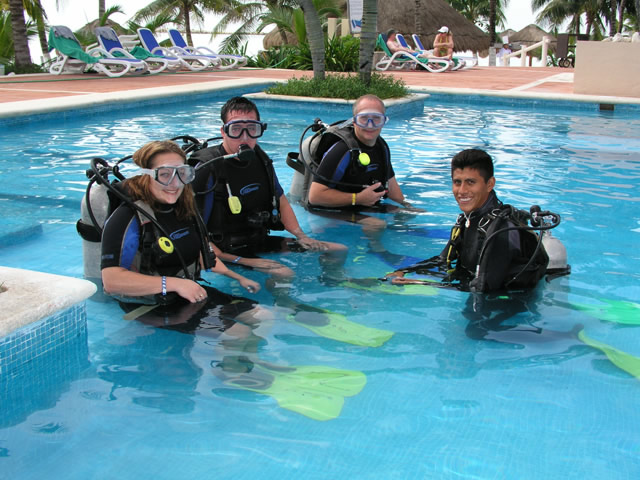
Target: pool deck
x=27, y=94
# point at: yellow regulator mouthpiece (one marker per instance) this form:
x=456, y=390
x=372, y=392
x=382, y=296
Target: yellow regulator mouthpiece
x=165, y=245
x=364, y=159
x=234, y=205
x=234, y=202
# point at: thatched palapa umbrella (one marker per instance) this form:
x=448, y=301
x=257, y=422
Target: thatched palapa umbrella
x=508, y=33
x=274, y=39
x=529, y=35
x=425, y=17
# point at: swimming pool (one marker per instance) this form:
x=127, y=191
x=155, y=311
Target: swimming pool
x=532, y=401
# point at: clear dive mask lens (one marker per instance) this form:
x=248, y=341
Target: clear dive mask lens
x=254, y=128
x=164, y=175
x=370, y=120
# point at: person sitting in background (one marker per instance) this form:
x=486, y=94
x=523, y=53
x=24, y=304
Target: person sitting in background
x=443, y=43
x=394, y=46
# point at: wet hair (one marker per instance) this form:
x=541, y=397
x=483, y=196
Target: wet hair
x=138, y=187
x=391, y=31
x=238, y=104
x=368, y=96
x=475, y=159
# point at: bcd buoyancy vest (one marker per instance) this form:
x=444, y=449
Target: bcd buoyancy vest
x=252, y=184
x=153, y=244
x=314, y=149
x=481, y=255
x=485, y=254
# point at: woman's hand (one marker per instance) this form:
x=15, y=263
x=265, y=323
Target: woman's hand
x=119, y=280
x=249, y=285
x=187, y=289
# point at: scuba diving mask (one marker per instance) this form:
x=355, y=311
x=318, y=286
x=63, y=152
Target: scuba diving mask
x=164, y=175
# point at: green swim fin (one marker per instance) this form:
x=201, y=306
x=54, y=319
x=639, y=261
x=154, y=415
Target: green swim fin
x=617, y=311
x=620, y=359
x=376, y=285
x=139, y=311
x=316, y=392
x=333, y=325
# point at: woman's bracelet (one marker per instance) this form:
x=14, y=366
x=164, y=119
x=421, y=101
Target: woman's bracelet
x=237, y=259
x=353, y=199
x=164, y=286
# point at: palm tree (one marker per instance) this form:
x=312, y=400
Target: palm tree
x=257, y=16
x=101, y=8
x=19, y=29
x=492, y=22
x=557, y=12
x=479, y=12
x=368, y=35
x=35, y=10
x=315, y=36
x=183, y=10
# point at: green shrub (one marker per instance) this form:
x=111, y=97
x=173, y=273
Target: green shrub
x=341, y=54
x=348, y=87
x=275, y=57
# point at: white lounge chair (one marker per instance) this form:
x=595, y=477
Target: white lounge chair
x=223, y=62
x=459, y=63
x=70, y=58
x=111, y=46
x=399, y=60
x=191, y=61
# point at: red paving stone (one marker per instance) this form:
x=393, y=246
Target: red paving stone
x=487, y=79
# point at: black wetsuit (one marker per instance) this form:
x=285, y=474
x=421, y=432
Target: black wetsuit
x=256, y=185
x=504, y=247
x=505, y=256
x=123, y=245
x=337, y=166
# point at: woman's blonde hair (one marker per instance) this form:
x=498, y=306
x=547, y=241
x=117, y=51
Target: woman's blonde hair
x=138, y=187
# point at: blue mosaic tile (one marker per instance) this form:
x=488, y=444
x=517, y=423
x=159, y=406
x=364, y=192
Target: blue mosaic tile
x=38, y=363
x=40, y=338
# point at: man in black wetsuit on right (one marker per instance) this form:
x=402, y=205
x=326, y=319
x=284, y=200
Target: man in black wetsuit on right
x=504, y=260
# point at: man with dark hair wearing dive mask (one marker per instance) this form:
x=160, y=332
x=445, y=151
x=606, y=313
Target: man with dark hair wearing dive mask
x=489, y=248
x=242, y=200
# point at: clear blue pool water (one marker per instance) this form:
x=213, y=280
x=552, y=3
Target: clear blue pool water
x=528, y=402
